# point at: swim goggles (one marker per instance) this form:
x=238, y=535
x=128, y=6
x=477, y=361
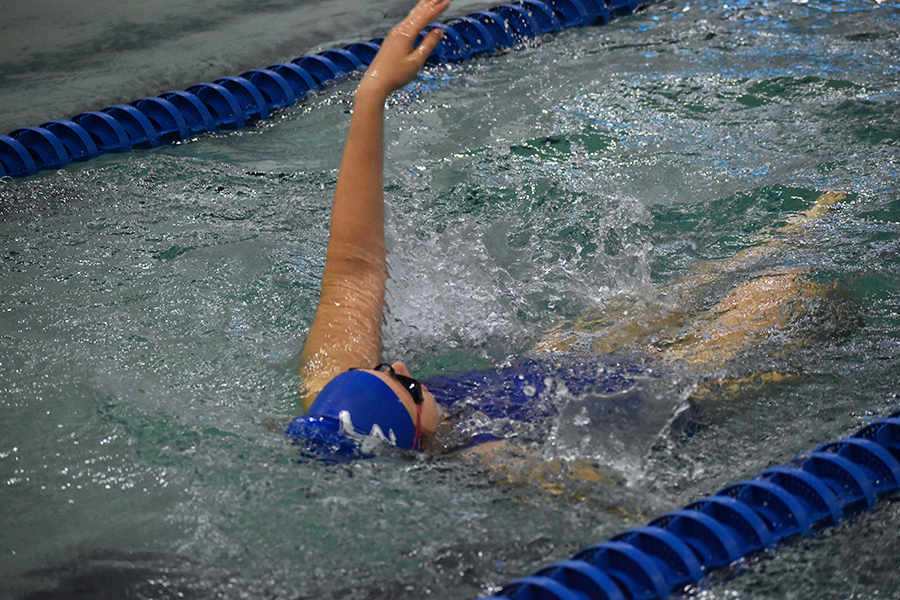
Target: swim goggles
x=412, y=385
x=415, y=390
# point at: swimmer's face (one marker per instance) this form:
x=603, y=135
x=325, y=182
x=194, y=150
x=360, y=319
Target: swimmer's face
x=430, y=411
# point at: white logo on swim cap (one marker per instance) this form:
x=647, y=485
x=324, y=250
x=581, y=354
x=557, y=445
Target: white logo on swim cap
x=349, y=430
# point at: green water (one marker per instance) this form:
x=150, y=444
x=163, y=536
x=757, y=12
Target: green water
x=153, y=306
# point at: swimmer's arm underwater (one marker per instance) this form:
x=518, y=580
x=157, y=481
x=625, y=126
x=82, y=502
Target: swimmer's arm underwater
x=346, y=329
x=522, y=465
x=667, y=325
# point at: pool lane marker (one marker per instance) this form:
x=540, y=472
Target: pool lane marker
x=236, y=102
x=815, y=490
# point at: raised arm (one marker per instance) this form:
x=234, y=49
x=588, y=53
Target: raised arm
x=346, y=329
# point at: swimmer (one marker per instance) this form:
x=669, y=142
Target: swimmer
x=354, y=401
x=341, y=365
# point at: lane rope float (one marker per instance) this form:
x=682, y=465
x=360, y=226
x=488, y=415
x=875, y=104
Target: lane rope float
x=816, y=489
x=235, y=102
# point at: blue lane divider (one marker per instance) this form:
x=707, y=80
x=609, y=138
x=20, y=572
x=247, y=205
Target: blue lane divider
x=235, y=102
x=814, y=490
x=817, y=490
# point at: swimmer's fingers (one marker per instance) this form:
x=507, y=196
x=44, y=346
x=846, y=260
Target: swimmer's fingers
x=399, y=59
x=429, y=43
x=419, y=17
x=401, y=39
x=821, y=207
x=824, y=203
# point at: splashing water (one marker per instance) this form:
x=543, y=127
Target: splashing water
x=154, y=306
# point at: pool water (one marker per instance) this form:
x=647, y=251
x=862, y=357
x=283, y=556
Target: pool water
x=154, y=306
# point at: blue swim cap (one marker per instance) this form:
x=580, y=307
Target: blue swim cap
x=361, y=405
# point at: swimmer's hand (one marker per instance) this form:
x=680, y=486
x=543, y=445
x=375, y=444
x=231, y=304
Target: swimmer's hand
x=398, y=60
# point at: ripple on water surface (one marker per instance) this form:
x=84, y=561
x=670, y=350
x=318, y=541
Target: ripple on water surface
x=154, y=306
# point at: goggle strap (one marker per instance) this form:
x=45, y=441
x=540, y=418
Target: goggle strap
x=417, y=440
